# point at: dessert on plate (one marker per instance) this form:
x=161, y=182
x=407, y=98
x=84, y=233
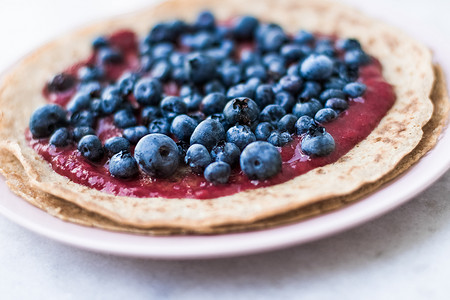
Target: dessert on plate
x=209, y=117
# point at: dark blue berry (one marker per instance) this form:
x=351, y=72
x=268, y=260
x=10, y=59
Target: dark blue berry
x=218, y=172
x=319, y=143
x=339, y=105
x=276, y=70
x=116, y=144
x=172, y=106
x=285, y=100
x=91, y=148
x=304, y=124
x=198, y=158
x=123, y=165
x=79, y=132
x=179, y=75
x=177, y=59
x=150, y=113
x=263, y=131
x=157, y=155
x=82, y=118
x=242, y=110
x=159, y=126
x=272, y=40
x=90, y=73
x=230, y=75
x=335, y=83
x=100, y=42
x=348, y=44
x=311, y=89
x=226, y=152
x=316, y=67
x=200, y=68
x=208, y=133
x=304, y=37
x=249, y=57
x=214, y=86
x=220, y=118
x=79, y=101
x=134, y=134
x=287, y=123
x=325, y=115
x=244, y=27
x=161, y=32
x=260, y=160
x=161, y=70
x=61, y=82
x=109, y=56
x=60, y=138
x=92, y=88
x=279, y=139
x=213, y=103
x=126, y=83
x=332, y=93
x=325, y=49
x=251, y=85
x=205, y=21
x=307, y=108
x=182, y=127
x=162, y=50
x=257, y=71
x=347, y=72
x=239, y=90
x=294, y=52
x=124, y=118
x=240, y=135
x=355, y=89
x=201, y=40
x=264, y=95
x=272, y=57
x=294, y=70
x=272, y=114
x=111, y=100
x=292, y=84
x=46, y=119
x=356, y=57
x=148, y=91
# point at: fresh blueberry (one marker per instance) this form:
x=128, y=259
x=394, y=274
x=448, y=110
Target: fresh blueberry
x=61, y=82
x=260, y=160
x=304, y=124
x=157, y=155
x=111, y=100
x=332, y=93
x=347, y=72
x=226, y=152
x=179, y=75
x=334, y=83
x=264, y=95
x=355, y=89
x=272, y=40
x=356, y=57
x=126, y=83
x=276, y=70
x=304, y=37
x=339, y=105
x=161, y=32
x=177, y=59
x=348, y=44
x=162, y=50
x=79, y=101
x=146, y=63
x=92, y=88
x=316, y=67
x=79, y=132
x=201, y=40
x=279, y=139
x=285, y=100
x=148, y=91
x=257, y=71
x=172, y=106
x=213, y=103
x=182, y=149
x=221, y=119
x=244, y=27
x=318, y=143
x=272, y=57
x=124, y=118
x=161, y=70
x=109, y=56
x=311, y=89
x=134, y=134
x=294, y=52
x=239, y=90
x=214, y=86
x=89, y=73
x=263, y=131
x=91, y=148
x=218, y=172
x=46, y=119
x=293, y=70
x=200, y=68
x=82, y=118
x=230, y=75
x=308, y=108
x=205, y=21
x=249, y=57
x=123, y=165
x=100, y=42
x=116, y=144
x=150, y=113
x=241, y=110
x=182, y=127
x=60, y=138
x=287, y=123
x=325, y=49
x=251, y=85
x=272, y=114
x=325, y=115
x=160, y=125
x=208, y=133
x=198, y=158
x=292, y=84
x=193, y=101
x=240, y=135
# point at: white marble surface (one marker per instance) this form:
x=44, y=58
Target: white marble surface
x=402, y=255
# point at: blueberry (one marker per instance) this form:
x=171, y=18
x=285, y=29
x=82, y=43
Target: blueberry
x=308, y=108
x=157, y=155
x=91, y=148
x=148, y=91
x=263, y=131
x=182, y=149
x=292, y=84
x=285, y=100
x=172, y=106
x=356, y=57
x=213, y=103
x=111, y=100
x=146, y=62
x=159, y=126
x=276, y=70
x=109, y=56
x=226, y=152
x=208, y=133
x=239, y=90
x=79, y=132
x=218, y=172
x=116, y=144
x=244, y=27
x=179, y=75
x=264, y=95
x=319, y=143
x=242, y=110
x=177, y=59
x=46, y=119
x=218, y=54
x=334, y=83
x=240, y=135
x=272, y=114
x=79, y=101
x=161, y=32
x=193, y=101
x=201, y=40
x=230, y=75
x=355, y=89
x=182, y=127
x=161, y=70
x=287, y=123
x=251, y=85
x=126, y=83
x=198, y=158
x=279, y=139
x=304, y=124
x=304, y=37
x=325, y=49
x=214, y=86
x=162, y=50
x=61, y=82
x=134, y=134
x=260, y=160
x=205, y=21
x=89, y=73
x=200, y=68
x=325, y=115
x=272, y=40
x=293, y=52
x=60, y=138
x=221, y=119
x=294, y=70
x=82, y=118
x=123, y=165
x=332, y=93
x=257, y=71
x=339, y=105
x=348, y=44
x=249, y=57
x=311, y=89
x=347, y=72
x=124, y=119
x=92, y=88
x=316, y=67
x=100, y=42
x=150, y=113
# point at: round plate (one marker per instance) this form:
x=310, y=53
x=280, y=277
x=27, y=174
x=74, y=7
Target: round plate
x=397, y=192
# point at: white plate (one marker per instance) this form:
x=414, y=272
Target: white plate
x=419, y=177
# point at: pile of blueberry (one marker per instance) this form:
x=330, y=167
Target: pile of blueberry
x=235, y=105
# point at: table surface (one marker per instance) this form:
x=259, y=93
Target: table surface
x=401, y=255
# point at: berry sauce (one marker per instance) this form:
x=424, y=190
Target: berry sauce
x=351, y=127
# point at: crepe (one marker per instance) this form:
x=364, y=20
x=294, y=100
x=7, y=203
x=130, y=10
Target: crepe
x=407, y=65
